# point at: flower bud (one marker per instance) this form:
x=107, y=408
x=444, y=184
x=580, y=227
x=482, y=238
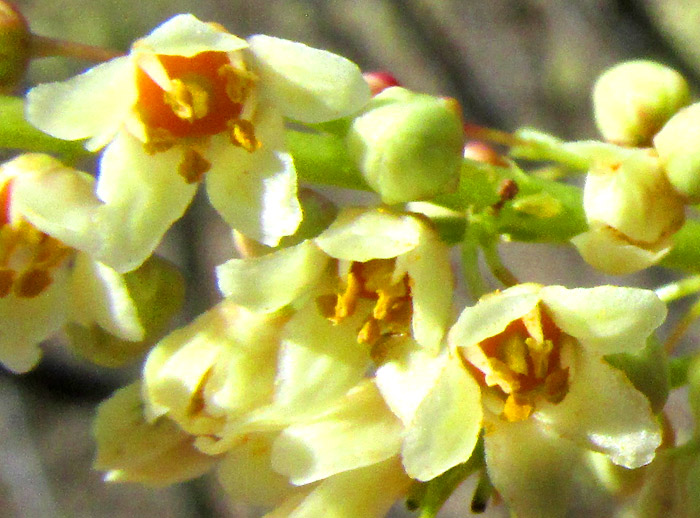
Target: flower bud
x=407, y=146
x=379, y=81
x=677, y=146
x=633, y=100
x=15, y=47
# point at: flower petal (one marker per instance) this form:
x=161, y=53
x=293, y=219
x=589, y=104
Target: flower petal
x=531, y=468
x=368, y=492
x=271, y=281
x=605, y=319
x=57, y=200
x=100, y=295
x=406, y=377
x=256, y=193
x=492, y=314
x=247, y=476
x=143, y=195
x=446, y=426
x=92, y=104
x=318, y=363
x=185, y=35
x=359, y=432
x=28, y=321
x=602, y=411
x=133, y=450
x=428, y=265
x=361, y=235
x=307, y=84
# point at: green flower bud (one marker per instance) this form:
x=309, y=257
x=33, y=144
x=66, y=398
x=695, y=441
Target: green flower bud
x=15, y=47
x=408, y=146
x=633, y=100
x=677, y=146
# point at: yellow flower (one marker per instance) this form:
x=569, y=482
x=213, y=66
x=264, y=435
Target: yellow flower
x=44, y=283
x=192, y=102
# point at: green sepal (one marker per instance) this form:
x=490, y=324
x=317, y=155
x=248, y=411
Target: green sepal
x=157, y=288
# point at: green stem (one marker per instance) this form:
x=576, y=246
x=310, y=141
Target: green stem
x=679, y=289
x=17, y=133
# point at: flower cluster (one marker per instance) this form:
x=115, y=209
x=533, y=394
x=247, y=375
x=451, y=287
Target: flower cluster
x=341, y=371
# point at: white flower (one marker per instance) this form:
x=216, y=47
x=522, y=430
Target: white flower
x=191, y=101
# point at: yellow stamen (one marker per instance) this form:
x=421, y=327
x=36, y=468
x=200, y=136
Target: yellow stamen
x=539, y=354
x=516, y=410
x=193, y=165
x=242, y=134
x=514, y=354
x=188, y=99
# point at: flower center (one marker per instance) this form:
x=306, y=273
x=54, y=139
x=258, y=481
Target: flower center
x=375, y=281
x=524, y=363
x=201, y=96
x=28, y=257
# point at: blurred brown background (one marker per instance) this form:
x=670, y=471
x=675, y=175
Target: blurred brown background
x=509, y=62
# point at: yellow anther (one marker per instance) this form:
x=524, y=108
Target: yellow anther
x=242, y=133
x=370, y=332
x=501, y=375
x=193, y=165
x=539, y=354
x=346, y=302
x=32, y=283
x=515, y=410
x=239, y=83
x=514, y=354
x=188, y=99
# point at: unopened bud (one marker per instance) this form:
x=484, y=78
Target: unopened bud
x=677, y=146
x=633, y=100
x=379, y=81
x=408, y=146
x=15, y=47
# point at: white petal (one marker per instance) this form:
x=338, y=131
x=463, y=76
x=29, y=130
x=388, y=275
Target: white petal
x=99, y=295
x=531, y=468
x=604, y=249
x=362, y=235
x=271, y=281
x=143, y=194
x=93, y=104
x=446, y=426
x=365, y=492
x=185, y=35
x=57, y=200
x=307, y=84
x=407, y=376
x=28, y=321
x=603, y=411
x=359, y=432
x=256, y=193
x=246, y=474
x=605, y=319
x=428, y=265
x=318, y=364
x=492, y=314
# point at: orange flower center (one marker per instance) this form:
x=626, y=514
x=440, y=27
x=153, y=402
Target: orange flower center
x=28, y=257
x=524, y=364
x=375, y=281
x=204, y=95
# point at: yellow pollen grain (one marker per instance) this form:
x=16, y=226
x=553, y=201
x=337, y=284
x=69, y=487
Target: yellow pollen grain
x=242, y=134
x=188, y=100
x=346, y=302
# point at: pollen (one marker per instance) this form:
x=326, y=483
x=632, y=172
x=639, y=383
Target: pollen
x=524, y=365
x=373, y=281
